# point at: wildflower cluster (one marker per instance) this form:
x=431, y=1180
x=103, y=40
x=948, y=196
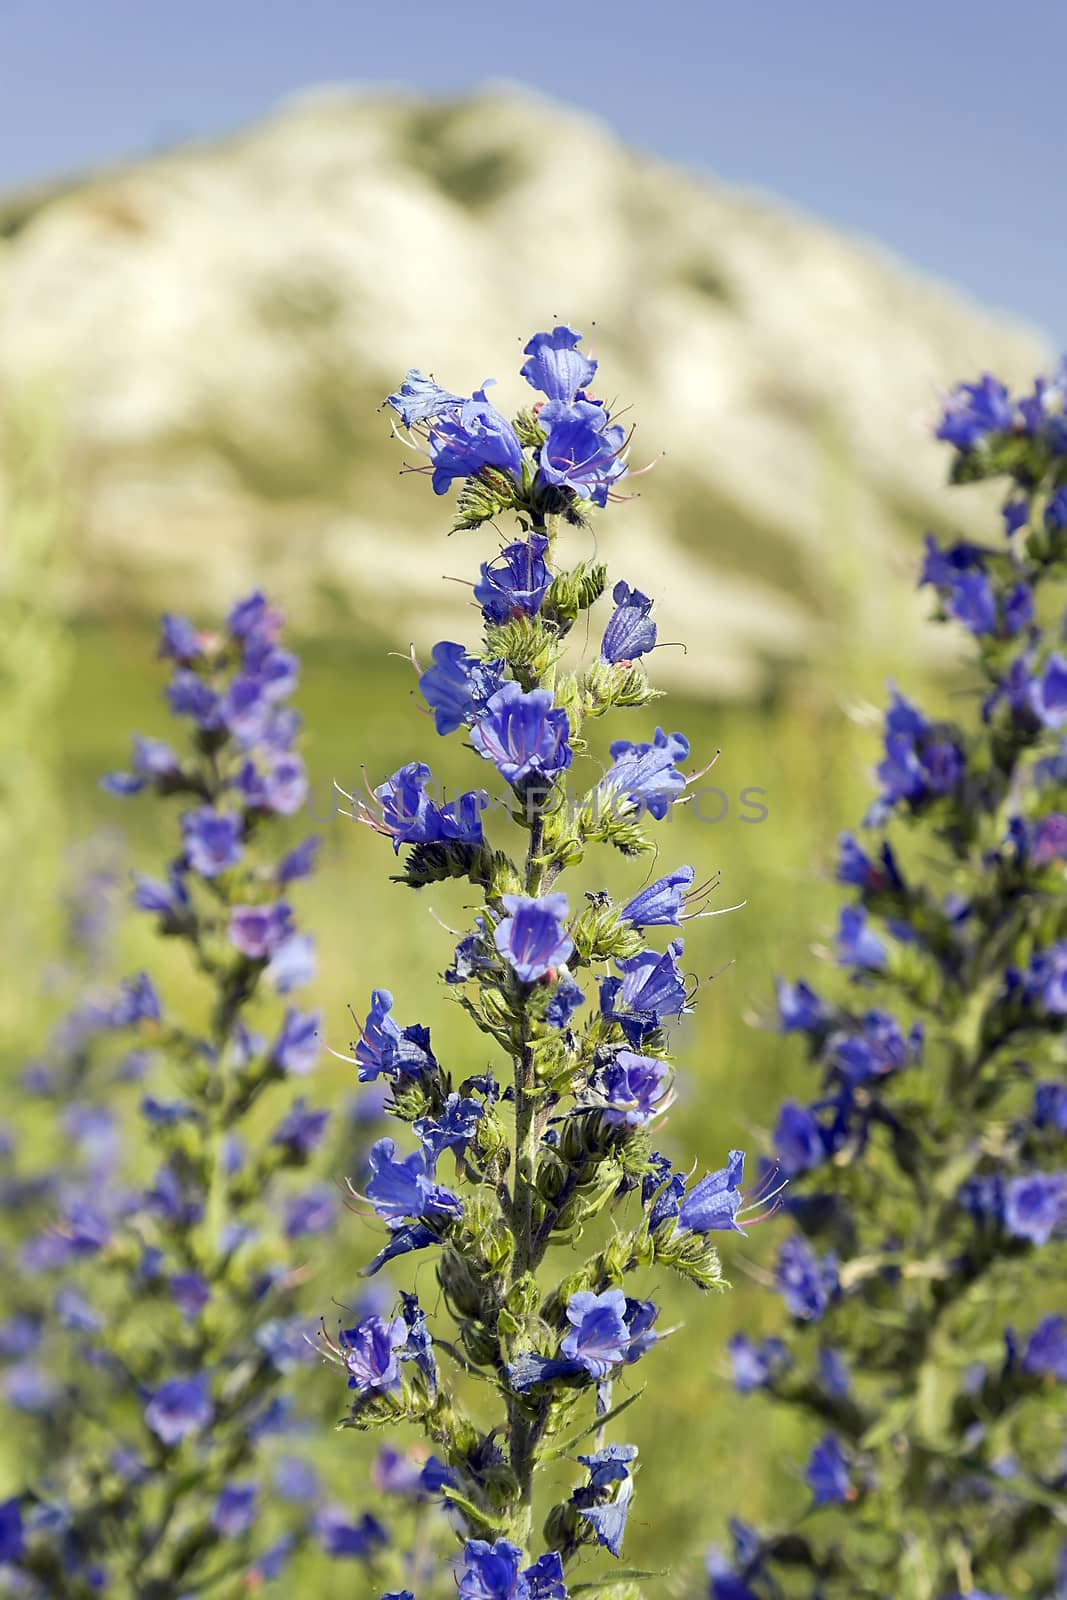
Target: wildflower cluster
x=491, y=1173
x=924, y=1282
x=152, y=1311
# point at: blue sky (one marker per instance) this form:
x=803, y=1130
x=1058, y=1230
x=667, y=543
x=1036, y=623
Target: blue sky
x=923, y=124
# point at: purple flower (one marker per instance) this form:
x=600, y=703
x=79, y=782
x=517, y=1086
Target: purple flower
x=975, y=410
x=296, y=1048
x=523, y=735
x=650, y=990
x=257, y=931
x=826, y=1474
x=494, y=1572
x=1046, y=1351
x=878, y=1049
x=465, y=439
x=754, y=1366
x=458, y=687
x=254, y=621
x=279, y=783
x=517, y=581
x=806, y=1284
x=646, y=774
x=1045, y=980
x=190, y=1293
x=409, y=816
x=300, y=862
x=566, y=998
x=137, y=1002
x=799, y=1008
x=169, y=900
x=212, y=840
x=661, y=904
x=178, y=1408
x=384, y=1049
x=404, y=1191
x=151, y=760
x=833, y=1373
x=582, y=449
x=12, y=1537
x=178, y=639
x=609, y=1520
x=301, y=1130
x=419, y=399
x=599, y=1336
x=189, y=696
x=235, y=1510
x=630, y=631
x=292, y=964
x=632, y=1087
x=344, y=1539
x=714, y=1202
x=1049, y=691
x=1049, y=840
x=556, y=366
x=295, y=1479
x=313, y=1211
x=369, y=1351
x=857, y=945
x=798, y=1140
x=970, y=600
x=1050, y=1106
x=532, y=938
x=453, y=1129
x=1035, y=1206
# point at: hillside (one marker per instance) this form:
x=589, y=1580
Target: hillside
x=218, y=325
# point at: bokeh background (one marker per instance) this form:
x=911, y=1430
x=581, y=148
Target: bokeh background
x=225, y=232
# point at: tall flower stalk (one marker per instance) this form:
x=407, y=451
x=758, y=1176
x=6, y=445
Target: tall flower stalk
x=927, y=1348
x=576, y=1003
x=155, y=1305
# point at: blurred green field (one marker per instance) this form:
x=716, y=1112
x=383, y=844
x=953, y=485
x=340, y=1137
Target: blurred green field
x=705, y=1454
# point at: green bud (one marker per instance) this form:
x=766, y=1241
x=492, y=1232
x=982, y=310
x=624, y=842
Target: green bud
x=574, y=592
x=691, y=1255
x=484, y=497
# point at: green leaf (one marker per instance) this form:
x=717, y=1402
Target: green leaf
x=594, y=1427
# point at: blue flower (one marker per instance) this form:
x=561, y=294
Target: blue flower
x=452, y=1129
x=600, y=1336
x=419, y=399
x=650, y=990
x=515, y=583
x=661, y=904
x=1045, y=980
x=409, y=816
x=235, y=1510
x=344, y=1539
x=292, y=964
x=12, y=1537
x=713, y=1203
x=257, y=931
x=556, y=366
x=754, y=1366
x=369, y=1352
x=532, y=937
x=152, y=762
x=878, y=1049
x=178, y=1408
x=833, y=1373
x=610, y=1464
x=806, y=1284
x=826, y=1474
x=1050, y=1106
x=458, y=687
x=631, y=1087
x=856, y=944
x=295, y=1479
x=582, y=449
x=646, y=774
x=971, y=601
x=299, y=862
x=799, y=1008
x=467, y=438
x=212, y=840
x=523, y=735
x=190, y=1293
x=314, y=1211
x=404, y=1191
x=137, y=1002
x=1049, y=691
x=296, y=1048
x=301, y=1130
x=566, y=998
x=1035, y=1206
x=494, y=1572
x=1046, y=1351
x=798, y=1140
x=386, y=1050
x=630, y=632
x=277, y=784
x=609, y=1521
x=855, y=867
x=975, y=410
